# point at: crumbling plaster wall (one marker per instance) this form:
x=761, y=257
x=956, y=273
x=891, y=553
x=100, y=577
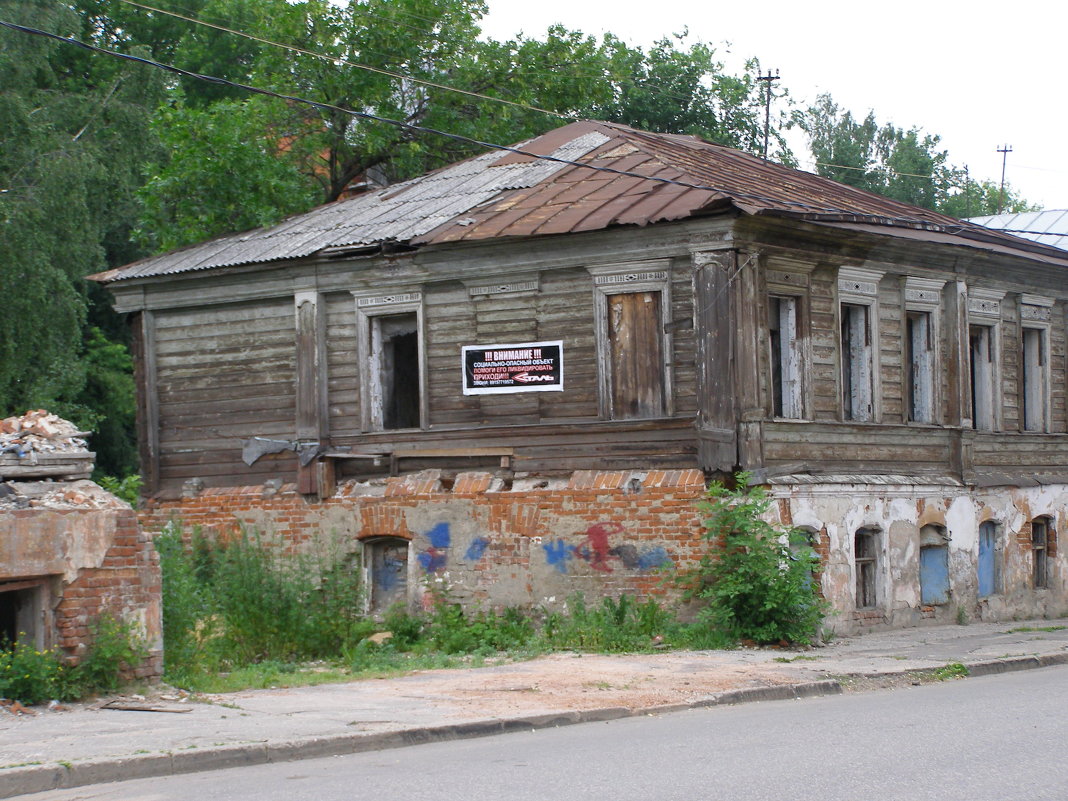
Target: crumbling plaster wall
x=898, y=512
x=93, y=561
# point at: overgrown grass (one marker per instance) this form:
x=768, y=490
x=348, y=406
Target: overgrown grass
x=248, y=611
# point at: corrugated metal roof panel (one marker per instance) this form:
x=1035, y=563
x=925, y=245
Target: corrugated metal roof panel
x=500, y=194
x=1049, y=227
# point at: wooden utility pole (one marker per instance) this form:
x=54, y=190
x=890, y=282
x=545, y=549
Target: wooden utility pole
x=1004, y=151
x=767, y=79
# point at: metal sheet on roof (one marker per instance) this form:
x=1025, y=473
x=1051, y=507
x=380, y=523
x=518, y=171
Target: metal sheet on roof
x=1050, y=227
x=500, y=194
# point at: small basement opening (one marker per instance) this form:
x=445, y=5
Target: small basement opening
x=21, y=607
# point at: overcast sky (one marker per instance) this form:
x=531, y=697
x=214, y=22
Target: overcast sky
x=980, y=75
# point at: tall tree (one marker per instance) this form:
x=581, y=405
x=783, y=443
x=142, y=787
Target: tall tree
x=902, y=164
x=73, y=134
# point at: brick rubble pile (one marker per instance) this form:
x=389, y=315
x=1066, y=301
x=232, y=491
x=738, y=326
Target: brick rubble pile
x=37, y=431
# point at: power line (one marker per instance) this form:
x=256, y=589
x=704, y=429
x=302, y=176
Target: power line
x=409, y=126
x=337, y=60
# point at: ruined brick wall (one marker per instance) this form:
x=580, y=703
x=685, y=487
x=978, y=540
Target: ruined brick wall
x=534, y=543
x=90, y=561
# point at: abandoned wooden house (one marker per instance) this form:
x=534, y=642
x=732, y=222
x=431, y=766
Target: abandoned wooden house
x=515, y=375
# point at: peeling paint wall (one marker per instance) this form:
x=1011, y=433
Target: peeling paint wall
x=897, y=513
x=538, y=542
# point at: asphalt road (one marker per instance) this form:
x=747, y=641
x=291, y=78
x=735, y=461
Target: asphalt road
x=996, y=737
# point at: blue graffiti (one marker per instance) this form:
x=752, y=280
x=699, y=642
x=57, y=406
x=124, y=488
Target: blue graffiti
x=557, y=553
x=439, y=536
x=475, y=550
x=432, y=560
x=653, y=558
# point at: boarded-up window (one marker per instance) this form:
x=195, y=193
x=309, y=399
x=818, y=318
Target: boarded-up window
x=919, y=344
x=1034, y=379
x=988, y=567
x=395, y=371
x=866, y=562
x=784, y=340
x=934, y=565
x=387, y=569
x=857, y=378
x=635, y=355
x=981, y=345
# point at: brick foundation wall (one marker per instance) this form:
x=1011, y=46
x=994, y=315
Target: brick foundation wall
x=534, y=543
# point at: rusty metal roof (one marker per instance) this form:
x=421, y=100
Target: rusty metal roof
x=510, y=194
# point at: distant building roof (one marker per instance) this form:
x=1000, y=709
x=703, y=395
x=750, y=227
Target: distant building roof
x=1048, y=227
x=508, y=194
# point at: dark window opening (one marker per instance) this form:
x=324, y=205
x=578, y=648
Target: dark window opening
x=395, y=344
x=857, y=379
x=20, y=612
x=635, y=355
x=865, y=558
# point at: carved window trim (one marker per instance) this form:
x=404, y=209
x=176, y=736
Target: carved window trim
x=792, y=359
x=922, y=359
x=652, y=275
x=984, y=312
x=859, y=367
x=368, y=308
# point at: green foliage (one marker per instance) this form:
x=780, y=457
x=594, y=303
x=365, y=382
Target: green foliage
x=115, y=646
x=450, y=630
x=902, y=164
x=127, y=488
x=953, y=670
x=31, y=676
x=246, y=600
x=756, y=578
x=613, y=626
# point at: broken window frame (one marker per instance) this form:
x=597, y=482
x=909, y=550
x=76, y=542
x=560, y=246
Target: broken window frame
x=858, y=344
x=922, y=395
x=1041, y=534
x=866, y=567
x=1035, y=401
x=653, y=276
x=984, y=374
x=371, y=310
x=787, y=395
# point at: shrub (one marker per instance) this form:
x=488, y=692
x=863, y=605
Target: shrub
x=116, y=646
x=31, y=676
x=756, y=578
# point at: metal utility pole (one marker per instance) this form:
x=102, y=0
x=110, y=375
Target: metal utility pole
x=768, y=79
x=1004, y=151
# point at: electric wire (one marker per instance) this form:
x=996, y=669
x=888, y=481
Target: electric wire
x=346, y=62
x=420, y=128
x=336, y=60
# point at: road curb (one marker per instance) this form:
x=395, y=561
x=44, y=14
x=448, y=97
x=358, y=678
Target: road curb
x=42, y=778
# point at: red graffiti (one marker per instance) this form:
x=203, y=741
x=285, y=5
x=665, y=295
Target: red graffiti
x=597, y=535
